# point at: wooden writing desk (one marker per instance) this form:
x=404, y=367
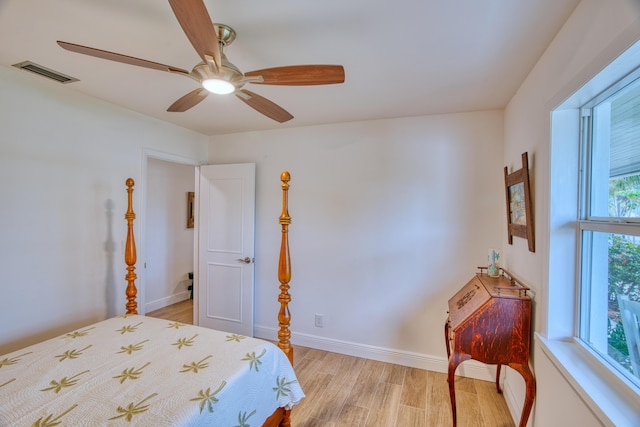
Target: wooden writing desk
x=490, y=321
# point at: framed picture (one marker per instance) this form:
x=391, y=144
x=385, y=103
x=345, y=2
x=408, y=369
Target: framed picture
x=190, y=197
x=519, y=209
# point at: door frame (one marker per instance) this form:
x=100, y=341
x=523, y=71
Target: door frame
x=141, y=217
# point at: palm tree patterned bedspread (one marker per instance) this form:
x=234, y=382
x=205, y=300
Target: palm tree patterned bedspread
x=136, y=370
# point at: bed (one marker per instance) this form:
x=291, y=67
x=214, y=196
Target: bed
x=138, y=370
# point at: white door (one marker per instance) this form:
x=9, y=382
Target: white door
x=225, y=196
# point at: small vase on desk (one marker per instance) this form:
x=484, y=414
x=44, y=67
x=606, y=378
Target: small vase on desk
x=493, y=264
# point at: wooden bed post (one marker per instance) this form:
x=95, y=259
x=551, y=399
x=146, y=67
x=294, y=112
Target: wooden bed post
x=130, y=253
x=284, y=273
x=282, y=417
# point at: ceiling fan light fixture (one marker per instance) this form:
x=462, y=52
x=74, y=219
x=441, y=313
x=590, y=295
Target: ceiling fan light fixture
x=218, y=86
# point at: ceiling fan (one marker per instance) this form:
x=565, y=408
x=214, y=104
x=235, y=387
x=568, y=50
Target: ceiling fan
x=215, y=73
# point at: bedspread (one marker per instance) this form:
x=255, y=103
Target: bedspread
x=137, y=370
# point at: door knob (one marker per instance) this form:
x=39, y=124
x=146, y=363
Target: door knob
x=246, y=260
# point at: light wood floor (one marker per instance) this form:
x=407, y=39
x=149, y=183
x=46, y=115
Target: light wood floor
x=180, y=312
x=347, y=391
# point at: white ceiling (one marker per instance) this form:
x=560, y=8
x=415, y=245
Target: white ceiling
x=401, y=57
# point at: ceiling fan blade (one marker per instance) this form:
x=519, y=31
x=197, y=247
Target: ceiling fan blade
x=264, y=106
x=300, y=75
x=112, y=56
x=197, y=25
x=190, y=100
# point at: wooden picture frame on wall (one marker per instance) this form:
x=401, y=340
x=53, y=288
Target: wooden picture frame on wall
x=190, y=198
x=519, y=209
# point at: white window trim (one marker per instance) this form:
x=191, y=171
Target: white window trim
x=610, y=399
x=613, y=401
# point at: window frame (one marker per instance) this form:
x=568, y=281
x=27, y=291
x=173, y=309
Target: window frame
x=588, y=223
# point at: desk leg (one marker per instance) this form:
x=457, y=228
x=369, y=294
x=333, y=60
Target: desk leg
x=454, y=360
x=530, y=393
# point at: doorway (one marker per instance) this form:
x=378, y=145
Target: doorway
x=166, y=242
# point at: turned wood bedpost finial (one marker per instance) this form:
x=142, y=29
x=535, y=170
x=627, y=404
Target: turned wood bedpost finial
x=284, y=273
x=130, y=253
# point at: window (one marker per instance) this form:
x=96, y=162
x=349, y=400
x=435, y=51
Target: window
x=609, y=238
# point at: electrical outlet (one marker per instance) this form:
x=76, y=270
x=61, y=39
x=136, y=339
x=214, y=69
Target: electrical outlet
x=319, y=321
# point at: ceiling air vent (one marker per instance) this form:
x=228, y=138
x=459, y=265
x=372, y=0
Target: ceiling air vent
x=45, y=72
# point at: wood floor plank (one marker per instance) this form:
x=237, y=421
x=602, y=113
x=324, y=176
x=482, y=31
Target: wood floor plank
x=313, y=353
x=493, y=407
x=312, y=422
x=409, y=416
x=468, y=409
x=365, y=386
x=299, y=353
x=438, y=416
x=438, y=410
x=352, y=416
x=393, y=373
x=332, y=362
x=180, y=312
x=337, y=392
x=465, y=384
x=307, y=367
x=385, y=404
x=313, y=387
x=414, y=390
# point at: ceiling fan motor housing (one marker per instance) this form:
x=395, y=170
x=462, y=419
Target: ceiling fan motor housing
x=226, y=72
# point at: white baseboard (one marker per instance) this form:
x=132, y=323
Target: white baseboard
x=470, y=368
x=163, y=302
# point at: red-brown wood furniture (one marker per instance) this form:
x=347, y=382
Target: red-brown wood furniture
x=490, y=321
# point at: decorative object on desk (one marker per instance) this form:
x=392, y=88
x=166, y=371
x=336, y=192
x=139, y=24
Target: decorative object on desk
x=190, y=197
x=493, y=263
x=519, y=209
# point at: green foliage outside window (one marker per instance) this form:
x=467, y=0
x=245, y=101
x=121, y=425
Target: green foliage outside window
x=624, y=196
x=624, y=257
x=624, y=279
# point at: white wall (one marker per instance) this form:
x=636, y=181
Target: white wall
x=596, y=33
x=64, y=159
x=390, y=219
x=169, y=243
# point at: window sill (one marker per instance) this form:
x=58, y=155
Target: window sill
x=612, y=401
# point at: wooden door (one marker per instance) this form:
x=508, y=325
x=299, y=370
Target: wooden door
x=225, y=198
